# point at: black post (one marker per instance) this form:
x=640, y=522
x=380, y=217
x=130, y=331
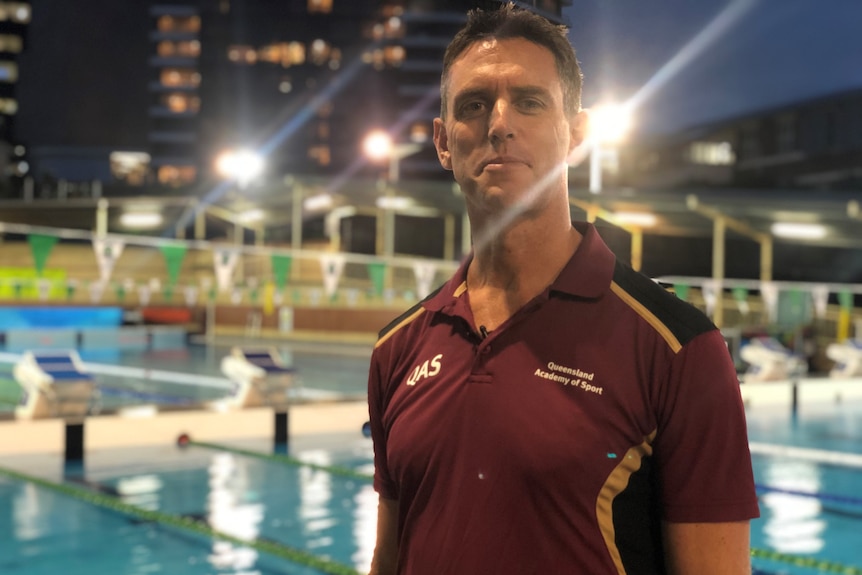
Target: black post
x=794, y=406
x=281, y=422
x=74, y=442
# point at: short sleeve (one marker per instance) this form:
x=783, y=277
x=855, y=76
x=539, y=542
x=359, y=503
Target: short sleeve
x=701, y=446
x=377, y=383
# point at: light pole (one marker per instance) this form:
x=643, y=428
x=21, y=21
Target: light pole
x=378, y=146
x=608, y=126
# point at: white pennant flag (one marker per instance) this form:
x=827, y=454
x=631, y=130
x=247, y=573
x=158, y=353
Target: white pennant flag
x=710, y=291
x=332, y=265
x=424, y=272
x=107, y=250
x=191, y=294
x=44, y=287
x=96, y=291
x=769, y=293
x=236, y=296
x=144, y=295
x=820, y=297
x=225, y=262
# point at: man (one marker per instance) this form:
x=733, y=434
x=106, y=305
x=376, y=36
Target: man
x=548, y=410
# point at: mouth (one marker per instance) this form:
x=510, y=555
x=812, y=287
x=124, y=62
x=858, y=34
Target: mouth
x=502, y=162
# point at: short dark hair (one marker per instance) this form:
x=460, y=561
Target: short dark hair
x=511, y=22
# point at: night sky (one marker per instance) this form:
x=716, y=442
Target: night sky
x=778, y=52
x=83, y=76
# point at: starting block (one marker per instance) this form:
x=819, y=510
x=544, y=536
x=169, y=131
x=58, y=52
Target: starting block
x=259, y=377
x=770, y=361
x=55, y=384
x=847, y=357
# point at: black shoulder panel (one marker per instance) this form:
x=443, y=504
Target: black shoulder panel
x=683, y=320
x=400, y=319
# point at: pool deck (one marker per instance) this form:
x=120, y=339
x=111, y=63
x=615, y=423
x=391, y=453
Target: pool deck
x=143, y=426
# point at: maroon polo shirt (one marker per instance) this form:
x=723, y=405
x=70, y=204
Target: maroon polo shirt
x=557, y=443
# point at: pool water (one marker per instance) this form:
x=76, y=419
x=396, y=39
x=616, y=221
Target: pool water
x=330, y=516
x=334, y=517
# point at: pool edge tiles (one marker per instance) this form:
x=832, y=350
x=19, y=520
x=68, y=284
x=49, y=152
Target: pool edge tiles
x=112, y=431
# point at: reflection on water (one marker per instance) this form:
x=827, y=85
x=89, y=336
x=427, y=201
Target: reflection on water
x=794, y=523
x=229, y=484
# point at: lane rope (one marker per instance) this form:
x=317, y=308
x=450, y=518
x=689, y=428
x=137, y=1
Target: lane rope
x=280, y=550
x=798, y=560
x=812, y=494
x=285, y=459
x=821, y=565
x=838, y=458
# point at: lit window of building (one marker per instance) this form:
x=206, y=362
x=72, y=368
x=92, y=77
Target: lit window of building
x=130, y=167
x=8, y=72
x=378, y=59
x=712, y=153
x=166, y=48
x=322, y=6
x=321, y=154
x=179, y=77
x=8, y=106
x=392, y=10
x=378, y=31
x=285, y=86
x=242, y=54
x=393, y=27
x=176, y=175
x=394, y=55
x=188, y=24
x=10, y=43
x=18, y=12
x=419, y=132
x=180, y=103
x=319, y=51
x=293, y=54
x=271, y=53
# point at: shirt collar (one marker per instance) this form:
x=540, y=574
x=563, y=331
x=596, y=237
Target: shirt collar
x=588, y=273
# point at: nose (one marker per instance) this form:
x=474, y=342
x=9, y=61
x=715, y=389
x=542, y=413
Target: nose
x=500, y=123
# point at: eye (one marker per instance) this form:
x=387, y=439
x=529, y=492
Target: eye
x=530, y=104
x=471, y=108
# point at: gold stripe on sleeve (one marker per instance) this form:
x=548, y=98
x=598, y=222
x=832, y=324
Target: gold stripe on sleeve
x=403, y=322
x=650, y=318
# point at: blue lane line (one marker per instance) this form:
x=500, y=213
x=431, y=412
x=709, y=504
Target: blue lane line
x=164, y=399
x=822, y=496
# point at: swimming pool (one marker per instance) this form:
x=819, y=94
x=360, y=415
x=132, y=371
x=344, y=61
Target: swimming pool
x=811, y=510
x=192, y=374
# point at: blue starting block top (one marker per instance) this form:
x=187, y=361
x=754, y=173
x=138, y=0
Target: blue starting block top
x=265, y=360
x=61, y=367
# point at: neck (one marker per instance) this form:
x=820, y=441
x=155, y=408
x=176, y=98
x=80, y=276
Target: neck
x=519, y=262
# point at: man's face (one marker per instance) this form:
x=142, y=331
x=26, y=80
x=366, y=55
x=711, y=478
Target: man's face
x=506, y=134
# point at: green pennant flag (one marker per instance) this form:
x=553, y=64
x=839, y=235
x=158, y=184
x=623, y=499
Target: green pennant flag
x=168, y=291
x=377, y=273
x=740, y=294
x=120, y=291
x=70, y=290
x=174, y=258
x=681, y=291
x=845, y=299
x=280, y=269
x=41, y=247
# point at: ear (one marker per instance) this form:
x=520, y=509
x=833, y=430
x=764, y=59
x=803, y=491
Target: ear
x=441, y=142
x=578, y=128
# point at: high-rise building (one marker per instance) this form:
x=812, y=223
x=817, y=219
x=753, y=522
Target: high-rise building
x=14, y=18
x=300, y=80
